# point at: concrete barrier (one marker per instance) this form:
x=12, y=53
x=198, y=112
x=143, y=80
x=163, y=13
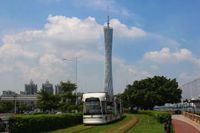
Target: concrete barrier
x=193, y=117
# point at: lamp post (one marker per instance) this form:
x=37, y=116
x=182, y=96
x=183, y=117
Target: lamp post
x=15, y=107
x=76, y=73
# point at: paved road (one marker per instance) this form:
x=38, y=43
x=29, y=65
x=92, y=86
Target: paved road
x=184, y=125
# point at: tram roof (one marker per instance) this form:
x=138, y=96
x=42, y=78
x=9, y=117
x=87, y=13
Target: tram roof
x=101, y=95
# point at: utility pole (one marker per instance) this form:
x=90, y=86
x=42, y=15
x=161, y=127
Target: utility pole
x=76, y=79
x=15, y=106
x=76, y=75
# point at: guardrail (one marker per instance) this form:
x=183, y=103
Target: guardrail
x=193, y=117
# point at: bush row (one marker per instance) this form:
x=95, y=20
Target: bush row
x=198, y=113
x=42, y=122
x=158, y=115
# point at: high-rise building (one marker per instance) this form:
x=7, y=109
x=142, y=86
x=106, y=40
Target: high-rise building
x=108, y=82
x=9, y=93
x=48, y=87
x=58, y=89
x=22, y=93
x=31, y=88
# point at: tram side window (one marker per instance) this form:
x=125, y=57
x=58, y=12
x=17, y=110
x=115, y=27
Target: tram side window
x=92, y=106
x=104, y=107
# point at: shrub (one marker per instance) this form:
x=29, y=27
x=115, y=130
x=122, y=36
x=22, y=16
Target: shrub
x=158, y=115
x=198, y=113
x=42, y=122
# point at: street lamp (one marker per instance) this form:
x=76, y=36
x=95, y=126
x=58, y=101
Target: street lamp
x=76, y=72
x=15, y=106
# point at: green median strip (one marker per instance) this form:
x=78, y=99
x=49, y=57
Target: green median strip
x=122, y=126
x=147, y=124
x=74, y=129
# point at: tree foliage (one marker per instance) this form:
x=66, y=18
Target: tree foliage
x=21, y=107
x=68, y=88
x=65, y=100
x=6, y=106
x=47, y=101
x=147, y=93
x=68, y=97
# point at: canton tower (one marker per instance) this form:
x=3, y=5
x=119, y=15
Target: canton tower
x=108, y=82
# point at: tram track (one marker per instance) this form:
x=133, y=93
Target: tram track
x=123, y=125
x=120, y=126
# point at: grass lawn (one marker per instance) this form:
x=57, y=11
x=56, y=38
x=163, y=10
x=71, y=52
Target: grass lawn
x=74, y=129
x=116, y=127
x=147, y=124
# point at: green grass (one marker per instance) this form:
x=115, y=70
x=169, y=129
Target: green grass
x=101, y=128
x=73, y=129
x=113, y=127
x=86, y=129
x=147, y=124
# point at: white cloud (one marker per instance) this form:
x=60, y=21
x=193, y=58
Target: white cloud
x=183, y=54
x=38, y=54
x=166, y=56
x=67, y=29
x=124, y=73
x=14, y=51
x=122, y=30
x=50, y=59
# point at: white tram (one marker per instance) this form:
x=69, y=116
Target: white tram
x=99, y=108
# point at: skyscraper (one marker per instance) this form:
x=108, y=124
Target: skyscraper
x=58, y=90
x=108, y=83
x=31, y=88
x=48, y=87
x=9, y=93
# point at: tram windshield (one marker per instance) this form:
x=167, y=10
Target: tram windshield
x=92, y=106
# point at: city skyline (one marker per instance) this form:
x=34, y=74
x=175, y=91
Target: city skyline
x=156, y=38
x=47, y=86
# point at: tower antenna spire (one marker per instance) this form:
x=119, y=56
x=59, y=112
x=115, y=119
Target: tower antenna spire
x=108, y=18
x=108, y=21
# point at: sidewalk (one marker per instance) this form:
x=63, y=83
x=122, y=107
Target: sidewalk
x=186, y=120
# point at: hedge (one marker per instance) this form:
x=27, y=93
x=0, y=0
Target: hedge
x=42, y=122
x=198, y=113
x=160, y=116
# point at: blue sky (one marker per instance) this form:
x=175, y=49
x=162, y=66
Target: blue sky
x=150, y=38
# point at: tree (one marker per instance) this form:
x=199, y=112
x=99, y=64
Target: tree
x=47, y=101
x=68, y=97
x=6, y=107
x=21, y=107
x=147, y=93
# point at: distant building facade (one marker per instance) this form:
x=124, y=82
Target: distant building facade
x=9, y=93
x=31, y=88
x=29, y=100
x=58, y=90
x=22, y=93
x=48, y=87
x=191, y=89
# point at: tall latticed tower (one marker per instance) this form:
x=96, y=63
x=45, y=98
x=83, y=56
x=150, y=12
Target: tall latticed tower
x=108, y=35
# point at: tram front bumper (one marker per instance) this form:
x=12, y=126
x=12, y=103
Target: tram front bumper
x=94, y=119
